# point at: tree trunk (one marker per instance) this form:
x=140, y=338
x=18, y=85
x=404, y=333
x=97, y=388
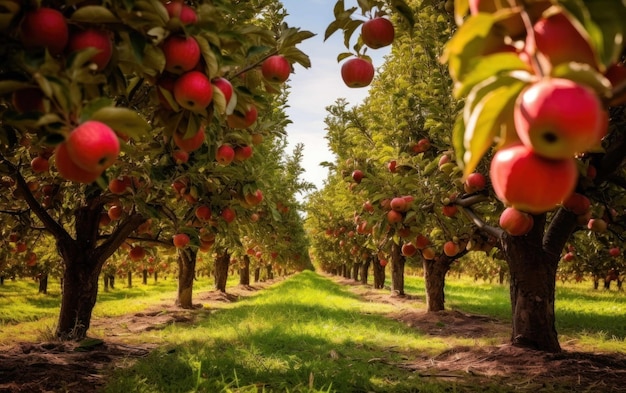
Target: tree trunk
x=257, y=274
x=533, y=261
x=244, y=272
x=397, y=270
x=186, y=274
x=43, y=283
x=435, y=280
x=365, y=266
x=129, y=279
x=111, y=280
x=105, y=279
x=270, y=274
x=221, y=270
x=355, y=270
x=379, y=273
x=156, y=277
x=144, y=276
x=1, y=280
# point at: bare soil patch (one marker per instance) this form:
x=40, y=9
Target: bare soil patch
x=70, y=367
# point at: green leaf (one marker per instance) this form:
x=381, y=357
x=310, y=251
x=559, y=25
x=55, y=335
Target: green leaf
x=94, y=14
x=343, y=55
x=487, y=66
x=122, y=120
x=9, y=86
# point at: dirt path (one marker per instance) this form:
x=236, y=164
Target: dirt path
x=68, y=367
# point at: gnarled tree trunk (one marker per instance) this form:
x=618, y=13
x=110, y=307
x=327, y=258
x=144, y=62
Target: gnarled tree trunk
x=244, y=272
x=365, y=266
x=186, y=275
x=435, y=271
x=379, y=273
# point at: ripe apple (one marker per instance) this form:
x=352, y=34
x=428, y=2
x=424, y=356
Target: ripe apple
x=530, y=182
x=276, y=69
x=551, y=31
x=392, y=166
x=254, y=198
x=408, y=249
x=428, y=253
x=394, y=217
x=181, y=53
x=474, y=182
x=449, y=210
x=92, y=38
x=20, y=247
x=421, y=146
x=421, y=241
x=180, y=240
x=399, y=204
x=180, y=156
x=225, y=154
x=569, y=256
x=243, y=120
x=357, y=72
x=203, y=213
x=559, y=118
x=225, y=87
x=191, y=143
x=357, y=176
x=444, y=159
x=40, y=164
x=119, y=185
x=368, y=207
x=186, y=14
x=115, y=212
x=577, y=203
x=377, y=32
x=193, y=91
x=383, y=262
x=44, y=28
x=516, y=222
x=242, y=153
x=30, y=99
x=597, y=225
x=451, y=248
x=228, y=214
x=614, y=251
x=69, y=170
x=137, y=253
x=93, y=146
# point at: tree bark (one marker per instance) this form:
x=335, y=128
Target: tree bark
x=397, y=270
x=221, y=270
x=144, y=276
x=356, y=266
x=533, y=260
x=270, y=274
x=379, y=273
x=105, y=279
x=129, y=279
x=257, y=274
x=365, y=266
x=244, y=272
x=186, y=274
x=43, y=283
x=435, y=280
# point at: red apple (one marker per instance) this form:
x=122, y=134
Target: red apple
x=357, y=176
x=228, y=214
x=383, y=262
x=180, y=240
x=614, y=252
x=39, y=164
x=597, y=225
x=119, y=185
x=254, y=198
x=558, y=118
x=137, y=253
x=180, y=156
x=391, y=166
x=93, y=146
x=421, y=146
x=408, y=249
x=530, y=182
x=394, y=217
x=243, y=120
x=428, y=253
x=191, y=143
x=186, y=14
x=69, y=170
x=225, y=154
x=516, y=222
x=203, y=213
x=115, y=212
x=45, y=28
x=451, y=248
x=242, y=153
x=577, y=203
x=377, y=32
x=181, y=53
x=357, y=72
x=569, y=256
x=474, y=182
x=92, y=38
x=421, y=241
x=225, y=87
x=368, y=207
x=449, y=210
x=550, y=32
x=193, y=91
x=276, y=69
x=399, y=204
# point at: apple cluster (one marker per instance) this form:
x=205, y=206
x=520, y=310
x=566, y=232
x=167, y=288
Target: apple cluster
x=555, y=119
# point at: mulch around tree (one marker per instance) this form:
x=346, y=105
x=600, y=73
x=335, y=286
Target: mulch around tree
x=75, y=367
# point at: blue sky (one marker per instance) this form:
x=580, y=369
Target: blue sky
x=313, y=89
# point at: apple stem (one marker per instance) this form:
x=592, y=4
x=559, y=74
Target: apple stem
x=530, y=42
x=255, y=64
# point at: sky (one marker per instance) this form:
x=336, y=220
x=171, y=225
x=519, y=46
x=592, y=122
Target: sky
x=315, y=88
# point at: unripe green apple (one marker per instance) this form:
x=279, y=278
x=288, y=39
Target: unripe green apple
x=558, y=118
x=530, y=182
